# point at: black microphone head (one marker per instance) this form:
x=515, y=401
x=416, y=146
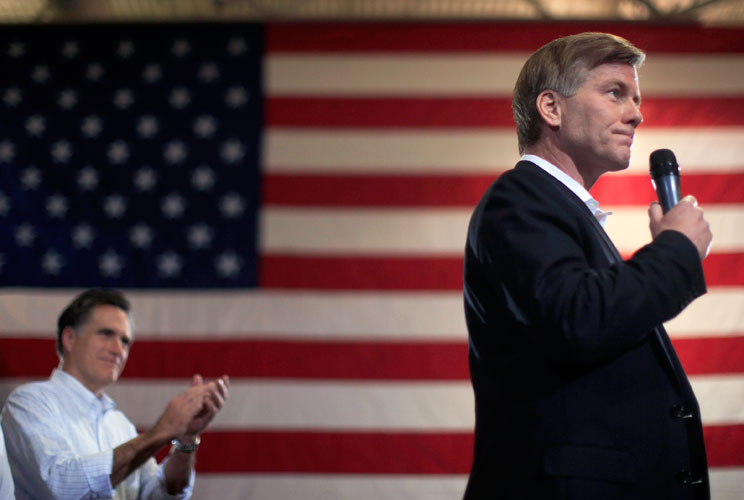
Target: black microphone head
x=663, y=162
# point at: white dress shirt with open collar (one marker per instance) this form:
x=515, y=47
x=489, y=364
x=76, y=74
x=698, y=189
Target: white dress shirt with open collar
x=60, y=440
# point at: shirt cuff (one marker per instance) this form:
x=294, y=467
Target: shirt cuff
x=98, y=469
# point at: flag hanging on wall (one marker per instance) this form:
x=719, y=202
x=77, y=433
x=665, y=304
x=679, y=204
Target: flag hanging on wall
x=288, y=204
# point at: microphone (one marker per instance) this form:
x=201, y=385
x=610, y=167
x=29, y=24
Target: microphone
x=665, y=177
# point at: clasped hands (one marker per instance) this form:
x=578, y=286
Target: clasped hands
x=189, y=413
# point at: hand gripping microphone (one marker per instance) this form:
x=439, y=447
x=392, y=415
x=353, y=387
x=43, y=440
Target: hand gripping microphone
x=665, y=177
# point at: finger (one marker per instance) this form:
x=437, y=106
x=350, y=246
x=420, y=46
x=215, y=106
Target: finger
x=655, y=212
x=216, y=398
x=212, y=407
x=222, y=387
x=196, y=380
x=690, y=199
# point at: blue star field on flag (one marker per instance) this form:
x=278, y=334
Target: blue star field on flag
x=129, y=155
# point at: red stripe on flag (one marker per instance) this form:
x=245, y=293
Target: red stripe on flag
x=363, y=360
x=375, y=190
x=419, y=273
x=27, y=357
x=153, y=359
x=691, y=111
x=361, y=273
x=466, y=190
x=725, y=445
x=336, y=452
x=383, y=453
x=424, y=112
x=636, y=189
x=476, y=36
x=724, y=269
x=707, y=356
x=437, y=112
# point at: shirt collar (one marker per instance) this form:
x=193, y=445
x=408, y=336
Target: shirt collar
x=80, y=394
x=572, y=184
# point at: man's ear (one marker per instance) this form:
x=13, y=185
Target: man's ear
x=549, y=107
x=68, y=339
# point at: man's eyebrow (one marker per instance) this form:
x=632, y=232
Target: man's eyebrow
x=110, y=331
x=626, y=88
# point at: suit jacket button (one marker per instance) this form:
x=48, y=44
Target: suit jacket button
x=679, y=411
x=686, y=478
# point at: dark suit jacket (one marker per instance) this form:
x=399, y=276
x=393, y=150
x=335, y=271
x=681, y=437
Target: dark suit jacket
x=578, y=391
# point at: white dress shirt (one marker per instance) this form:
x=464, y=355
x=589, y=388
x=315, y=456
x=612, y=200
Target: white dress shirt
x=60, y=441
x=572, y=184
x=6, y=481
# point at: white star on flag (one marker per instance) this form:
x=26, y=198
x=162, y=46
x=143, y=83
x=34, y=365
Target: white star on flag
x=82, y=235
x=25, y=235
x=35, y=125
x=52, y=262
x=30, y=178
x=173, y=206
x=91, y=126
x=200, y=236
x=115, y=205
x=145, y=179
x=87, y=178
x=61, y=151
x=169, y=264
x=56, y=206
x=110, y=264
x=141, y=235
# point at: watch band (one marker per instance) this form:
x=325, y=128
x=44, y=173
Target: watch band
x=187, y=448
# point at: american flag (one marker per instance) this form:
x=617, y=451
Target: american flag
x=287, y=203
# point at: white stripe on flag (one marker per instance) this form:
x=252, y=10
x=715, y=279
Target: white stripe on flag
x=720, y=398
x=467, y=75
x=725, y=304
x=628, y=227
x=259, y=314
x=428, y=231
x=321, y=315
x=725, y=485
x=474, y=151
x=363, y=406
x=416, y=231
x=334, y=486
x=318, y=405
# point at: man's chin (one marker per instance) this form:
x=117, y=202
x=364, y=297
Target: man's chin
x=618, y=164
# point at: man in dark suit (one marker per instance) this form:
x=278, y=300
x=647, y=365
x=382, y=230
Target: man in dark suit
x=578, y=391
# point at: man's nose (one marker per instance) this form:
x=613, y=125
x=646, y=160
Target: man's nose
x=633, y=115
x=118, y=347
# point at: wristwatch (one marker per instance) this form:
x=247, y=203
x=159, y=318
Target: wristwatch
x=187, y=448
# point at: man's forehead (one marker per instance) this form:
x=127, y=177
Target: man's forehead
x=614, y=69
x=105, y=313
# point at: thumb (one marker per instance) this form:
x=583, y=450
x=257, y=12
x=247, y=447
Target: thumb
x=655, y=212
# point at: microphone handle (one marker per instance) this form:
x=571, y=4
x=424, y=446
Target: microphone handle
x=668, y=189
